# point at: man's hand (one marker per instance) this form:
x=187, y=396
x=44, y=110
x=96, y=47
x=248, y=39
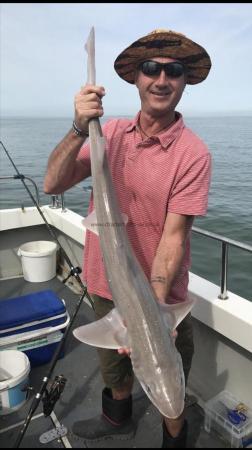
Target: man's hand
x=88, y=104
x=124, y=351
x=174, y=334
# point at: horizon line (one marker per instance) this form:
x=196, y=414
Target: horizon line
x=185, y=114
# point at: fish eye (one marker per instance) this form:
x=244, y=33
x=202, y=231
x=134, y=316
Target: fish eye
x=150, y=388
x=179, y=378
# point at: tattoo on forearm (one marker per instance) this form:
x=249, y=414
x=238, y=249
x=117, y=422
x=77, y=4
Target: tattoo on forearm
x=158, y=279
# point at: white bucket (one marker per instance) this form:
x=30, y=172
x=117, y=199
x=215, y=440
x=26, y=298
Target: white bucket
x=14, y=376
x=38, y=260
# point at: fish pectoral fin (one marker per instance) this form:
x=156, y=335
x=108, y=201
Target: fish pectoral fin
x=108, y=332
x=90, y=222
x=174, y=313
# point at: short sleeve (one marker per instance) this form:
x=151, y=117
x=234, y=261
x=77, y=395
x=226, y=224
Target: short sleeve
x=84, y=153
x=190, y=194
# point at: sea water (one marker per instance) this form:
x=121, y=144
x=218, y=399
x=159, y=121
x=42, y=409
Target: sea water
x=31, y=140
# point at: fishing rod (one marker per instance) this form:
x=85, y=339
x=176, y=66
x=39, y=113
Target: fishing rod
x=74, y=271
x=49, y=398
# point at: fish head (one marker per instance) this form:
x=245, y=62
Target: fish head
x=162, y=380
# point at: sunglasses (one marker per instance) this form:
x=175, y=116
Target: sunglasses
x=154, y=68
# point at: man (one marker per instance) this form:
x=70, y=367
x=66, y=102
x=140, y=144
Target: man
x=161, y=174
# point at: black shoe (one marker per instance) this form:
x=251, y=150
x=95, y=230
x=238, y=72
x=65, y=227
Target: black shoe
x=114, y=423
x=100, y=428
x=177, y=442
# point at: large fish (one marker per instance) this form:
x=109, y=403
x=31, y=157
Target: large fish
x=155, y=359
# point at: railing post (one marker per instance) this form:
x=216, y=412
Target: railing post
x=55, y=202
x=224, y=264
x=63, y=208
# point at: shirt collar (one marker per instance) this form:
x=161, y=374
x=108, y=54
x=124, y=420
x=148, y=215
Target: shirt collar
x=133, y=123
x=167, y=136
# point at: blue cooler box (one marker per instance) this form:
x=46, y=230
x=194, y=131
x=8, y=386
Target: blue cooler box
x=33, y=324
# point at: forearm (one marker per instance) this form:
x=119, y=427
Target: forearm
x=64, y=170
x=165, y=267
x=61, y=169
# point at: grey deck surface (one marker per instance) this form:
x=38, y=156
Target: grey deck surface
x=82, y=395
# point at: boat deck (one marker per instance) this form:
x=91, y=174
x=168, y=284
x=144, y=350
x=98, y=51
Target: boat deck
x=82, y=395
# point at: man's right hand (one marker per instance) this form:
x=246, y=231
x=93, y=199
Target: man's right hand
x=88, y=104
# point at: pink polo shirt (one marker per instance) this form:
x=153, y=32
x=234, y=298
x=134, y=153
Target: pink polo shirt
x=166, y=173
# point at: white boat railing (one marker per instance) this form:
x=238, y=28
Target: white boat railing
x=225, y=242
x=58, y=203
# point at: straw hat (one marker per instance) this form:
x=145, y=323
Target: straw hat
x=165, y=43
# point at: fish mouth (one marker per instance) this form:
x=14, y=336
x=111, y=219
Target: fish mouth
x=170, y=408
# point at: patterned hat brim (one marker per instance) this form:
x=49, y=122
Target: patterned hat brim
x=165, y=44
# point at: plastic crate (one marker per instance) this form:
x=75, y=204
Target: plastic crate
x=217, y=419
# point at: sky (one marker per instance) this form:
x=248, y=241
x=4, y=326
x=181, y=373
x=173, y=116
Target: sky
x=43, y=61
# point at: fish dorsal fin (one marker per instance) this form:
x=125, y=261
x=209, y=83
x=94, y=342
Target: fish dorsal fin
x=173, y=314
x=90, y=222
x=108, y=332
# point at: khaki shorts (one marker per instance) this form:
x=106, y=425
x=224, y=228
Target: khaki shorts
x=117, y=369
